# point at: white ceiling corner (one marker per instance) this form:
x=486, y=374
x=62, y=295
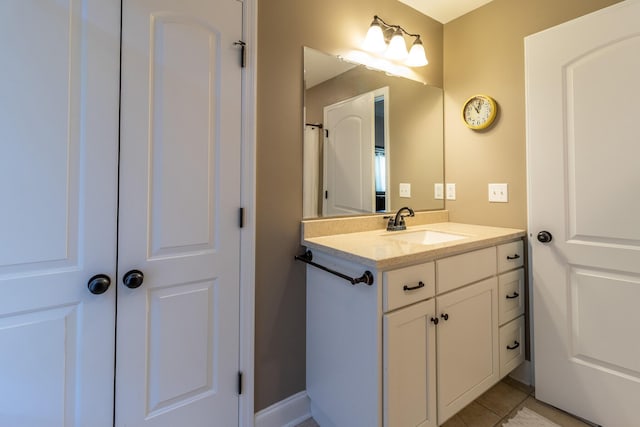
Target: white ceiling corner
x=444, y=10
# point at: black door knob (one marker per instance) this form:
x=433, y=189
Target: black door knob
x=544, y=237
x=99, y=284
x=133, y=279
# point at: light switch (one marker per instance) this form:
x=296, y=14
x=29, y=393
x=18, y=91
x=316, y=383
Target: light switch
x=438, y=191
x=405, y=189
x=499, y=193
x=451, y=191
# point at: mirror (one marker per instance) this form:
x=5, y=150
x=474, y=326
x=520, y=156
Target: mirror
x=372, y=142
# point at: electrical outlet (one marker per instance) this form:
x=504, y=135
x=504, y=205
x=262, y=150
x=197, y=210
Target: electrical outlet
x=451, y=191
x=499, y=193
x=438, y=191
x=405, y=190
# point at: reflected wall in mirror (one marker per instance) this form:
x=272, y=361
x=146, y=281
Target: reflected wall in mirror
x=367, y=135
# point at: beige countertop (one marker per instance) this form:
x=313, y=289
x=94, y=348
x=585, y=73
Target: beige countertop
x=375, y=249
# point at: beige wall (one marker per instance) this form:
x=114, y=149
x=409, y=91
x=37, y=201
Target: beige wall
x=284, y=27
x=484, y=53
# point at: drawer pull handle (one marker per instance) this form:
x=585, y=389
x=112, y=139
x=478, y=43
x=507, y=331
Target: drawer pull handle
x=516, y=344
x=445, y=317
x=435, y=320
x=411, y=288
x=515, y=295
x=516, y=256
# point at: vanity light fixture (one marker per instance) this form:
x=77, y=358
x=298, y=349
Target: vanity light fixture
x=388, y=40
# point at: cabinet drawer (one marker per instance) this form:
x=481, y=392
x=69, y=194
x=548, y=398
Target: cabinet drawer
x=510, y=256
x=510, y=295
x=470, y=267
x=407, y=285
x=511, y=345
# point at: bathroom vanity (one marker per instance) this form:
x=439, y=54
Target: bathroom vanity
x=442, y=322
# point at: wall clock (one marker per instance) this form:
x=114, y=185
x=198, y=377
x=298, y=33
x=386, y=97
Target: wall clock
x=479, y=111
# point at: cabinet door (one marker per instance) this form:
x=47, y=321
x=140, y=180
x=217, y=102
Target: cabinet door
x=409, y=366
x=467, y=345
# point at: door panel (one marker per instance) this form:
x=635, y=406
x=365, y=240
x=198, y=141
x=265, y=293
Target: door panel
x=583, y=184
x=58, y=175
x=30, y=374
x=184, y=55
x=180, y=339
x=178, y=345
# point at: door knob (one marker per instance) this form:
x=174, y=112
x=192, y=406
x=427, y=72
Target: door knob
x=544, y=237
x=99, y=284
x=133, y=279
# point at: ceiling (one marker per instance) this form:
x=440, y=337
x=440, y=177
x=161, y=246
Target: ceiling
x=444, y=10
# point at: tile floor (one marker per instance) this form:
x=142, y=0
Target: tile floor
x=499, y=404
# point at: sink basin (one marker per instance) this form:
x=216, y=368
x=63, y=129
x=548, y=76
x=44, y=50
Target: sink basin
x=425, y=237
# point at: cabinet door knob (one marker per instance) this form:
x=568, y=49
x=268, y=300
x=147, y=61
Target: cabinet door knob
x=99, y=284
x=434, y=320
x=516, y=256
x=133, y=279
x=411, y=288
x=515, y=295
x=445, y=316
x=515, y=345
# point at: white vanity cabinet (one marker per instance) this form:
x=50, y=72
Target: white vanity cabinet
x=418, y=345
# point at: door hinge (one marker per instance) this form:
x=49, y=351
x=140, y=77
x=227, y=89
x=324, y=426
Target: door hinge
x=326, y=133
x=239, y=382
x=241, y=219
x=243, y=52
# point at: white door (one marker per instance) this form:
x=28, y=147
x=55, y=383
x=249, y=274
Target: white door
x=178, y=333
x=348, y=156
x=584, y=181
x=58, y=187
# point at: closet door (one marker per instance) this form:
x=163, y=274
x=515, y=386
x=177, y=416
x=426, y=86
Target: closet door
x=178, y=332
x=58, y=183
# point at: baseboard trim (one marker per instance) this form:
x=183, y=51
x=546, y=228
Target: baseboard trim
x=286, y=413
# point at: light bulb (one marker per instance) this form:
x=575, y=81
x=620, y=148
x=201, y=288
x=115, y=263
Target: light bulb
x=417, y=57
x=374, y=41
x=397, y=49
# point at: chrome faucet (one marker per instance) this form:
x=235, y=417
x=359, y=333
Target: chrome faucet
x=396, y=222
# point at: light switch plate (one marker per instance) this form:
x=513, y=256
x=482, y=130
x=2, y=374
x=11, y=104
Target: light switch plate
x=451, y=191
x=438, y=191
x=405, y=189
x=499, y=193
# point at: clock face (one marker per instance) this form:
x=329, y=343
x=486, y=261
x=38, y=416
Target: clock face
x=479, y=111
